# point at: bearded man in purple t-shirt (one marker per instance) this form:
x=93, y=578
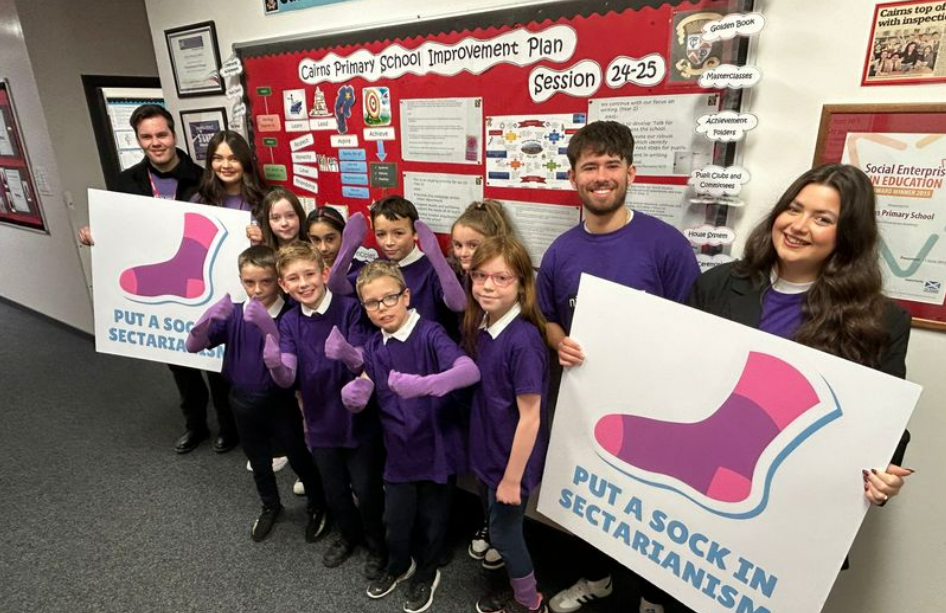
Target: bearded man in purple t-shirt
x=616, y=243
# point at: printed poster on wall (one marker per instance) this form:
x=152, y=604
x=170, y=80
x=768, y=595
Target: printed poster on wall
x=905, y=44
x=732, y=483
x=157, y=266
x=530, y=150
x=908, y=174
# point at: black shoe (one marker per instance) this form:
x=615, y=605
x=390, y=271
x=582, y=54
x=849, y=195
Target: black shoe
x=514, y=606
x=420, y=595
x=265, y=521
x=337, y=553
x=374, y=566
x=495, y=602
x=317, y=527
x=190, y=439
x=386, y=583
x=225, y=443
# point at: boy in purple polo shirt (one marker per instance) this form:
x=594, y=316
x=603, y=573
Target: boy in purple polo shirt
x=621, y=245
x=263, y=411
x=347, y=448
x=412, y=366
x=436, y=291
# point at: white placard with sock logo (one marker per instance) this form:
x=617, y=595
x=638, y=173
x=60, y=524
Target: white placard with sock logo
x=720, y=463
x=157, y=266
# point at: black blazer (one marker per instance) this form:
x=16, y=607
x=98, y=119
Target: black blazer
x=135, y=180
x=720, y=292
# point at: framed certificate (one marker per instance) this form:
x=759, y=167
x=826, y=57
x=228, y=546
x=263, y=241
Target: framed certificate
x=200, y=125
x=902, y=148
x=195, y=60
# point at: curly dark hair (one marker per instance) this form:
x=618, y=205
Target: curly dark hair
x=843, y=310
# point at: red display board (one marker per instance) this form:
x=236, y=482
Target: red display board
x=19, y=202
x=342, y=118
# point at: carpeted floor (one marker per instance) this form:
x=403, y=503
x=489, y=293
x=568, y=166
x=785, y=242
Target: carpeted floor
x=100, y=515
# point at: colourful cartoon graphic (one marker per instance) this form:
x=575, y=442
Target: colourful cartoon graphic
x=529, y=151
x=377, y=106
x=725, y=458
x=344, y=102
x=319, y=108
x=184, y=278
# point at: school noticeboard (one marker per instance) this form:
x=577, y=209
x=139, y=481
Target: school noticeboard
x=483, y=106
x=157, y=265
x=720, y=463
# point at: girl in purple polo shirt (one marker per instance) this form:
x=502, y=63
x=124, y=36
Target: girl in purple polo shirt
x=504, y=331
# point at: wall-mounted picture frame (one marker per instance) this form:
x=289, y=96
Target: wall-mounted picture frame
x=904, y=44
x=195, y=59
x=199, y=126
x=19, y=199
x=902, y=148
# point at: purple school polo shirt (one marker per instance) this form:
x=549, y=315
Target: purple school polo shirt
x=243, y=363
x=427, y=295
x=512, y=364
x=328, y=422
x=781, y=313
x=425, y=437
x=647, y=254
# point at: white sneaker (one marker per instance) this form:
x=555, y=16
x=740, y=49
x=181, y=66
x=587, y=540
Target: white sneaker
x=298, y=488
x=649, y=607
x=249, y=466
x=582, y=592
x=479, y=544
x=492, y=560
x=280, y=463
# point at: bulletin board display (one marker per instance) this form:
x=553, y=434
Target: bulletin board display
x=483, y=106
x=19, y=201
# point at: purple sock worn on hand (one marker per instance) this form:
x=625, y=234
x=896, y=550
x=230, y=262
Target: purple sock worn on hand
x=453, y=294
x=463, y=373
x=338, y=348
x=525, y=591
x=197, y=338
x=255, y=313
x=282, y=366
x=352, y=238
x=357, y=393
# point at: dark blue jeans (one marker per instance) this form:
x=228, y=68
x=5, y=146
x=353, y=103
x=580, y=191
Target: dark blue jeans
x=355, y=470
x=505, y=534
x=418, y=509
x=264, y=418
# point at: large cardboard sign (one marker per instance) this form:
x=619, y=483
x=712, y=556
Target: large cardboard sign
x=721, y=463
x=156, y=267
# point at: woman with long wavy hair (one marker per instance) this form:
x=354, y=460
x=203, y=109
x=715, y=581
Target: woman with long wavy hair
x=810, y=273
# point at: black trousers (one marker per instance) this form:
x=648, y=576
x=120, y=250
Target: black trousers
x=262, y=418
x=416, y=515
x=357, y=470
x=194, y=397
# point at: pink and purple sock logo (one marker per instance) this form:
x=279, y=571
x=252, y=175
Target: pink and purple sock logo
x=186, y=277
x=725, y=463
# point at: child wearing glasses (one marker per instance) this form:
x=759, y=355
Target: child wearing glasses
x=504, y=331
x=346, y=447
x=411, y=366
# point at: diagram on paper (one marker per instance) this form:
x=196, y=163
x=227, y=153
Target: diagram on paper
x=529, y=150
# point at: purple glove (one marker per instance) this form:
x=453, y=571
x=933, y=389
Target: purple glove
x=337, y=348
x=352, y=238
x=453, y=294
x=463, y=373
x=282, y=366
x=197, y=338
x=255, y=313
x=357, y=393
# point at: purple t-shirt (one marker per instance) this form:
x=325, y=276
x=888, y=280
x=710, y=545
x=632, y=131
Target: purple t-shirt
x=427, y=295
x=328, y=422
x=647, y=254
x=243, y=363
x=514, y=363
x=425, y=437
x=166, y=186
x=781, y=313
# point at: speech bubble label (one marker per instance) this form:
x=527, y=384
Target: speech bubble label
x=581, y=81
x=232, y=67
x=727, y=126
x=733, y=25
x=728, y=76
x=646, y=71
x=707, y=262
x=235, y=91
x=718, y=181
x=710, y=235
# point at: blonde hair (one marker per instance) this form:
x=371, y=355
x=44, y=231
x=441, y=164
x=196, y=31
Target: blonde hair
x=297, y=250
x=379, y=269
x=486, y=217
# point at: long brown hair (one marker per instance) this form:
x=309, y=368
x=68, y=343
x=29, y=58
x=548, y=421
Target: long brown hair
x=211, y=189
x=843, y=310
x=275, y=195
x=520, y=264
